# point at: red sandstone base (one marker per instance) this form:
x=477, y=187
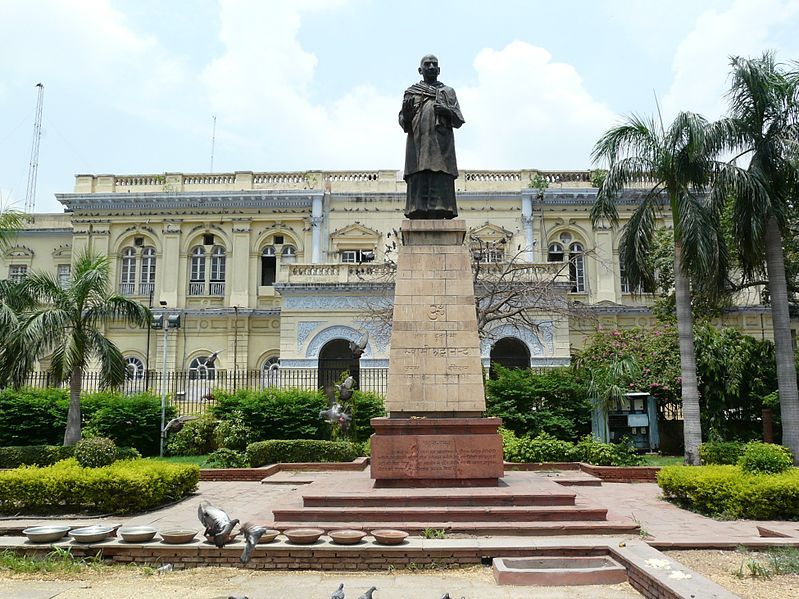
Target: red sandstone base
x=436, y=452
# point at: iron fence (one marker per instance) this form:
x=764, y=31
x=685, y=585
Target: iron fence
x=193, y=392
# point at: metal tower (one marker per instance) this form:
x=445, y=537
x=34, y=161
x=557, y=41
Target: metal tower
x=33, y=167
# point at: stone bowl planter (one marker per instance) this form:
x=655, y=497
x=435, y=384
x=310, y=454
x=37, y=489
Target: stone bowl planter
x=137, y=534
x=388, y=536
x=178, y=537
x=346, y=536
x=269, y=536
x=90, y=534
x=303, y=536
x=45, y=534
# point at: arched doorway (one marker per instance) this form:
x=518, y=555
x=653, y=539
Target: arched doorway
x=511, y=353
x=334, y=358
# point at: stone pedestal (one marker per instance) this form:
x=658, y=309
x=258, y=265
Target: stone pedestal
x=436, y=452
x=434, y=366
x=435, y=435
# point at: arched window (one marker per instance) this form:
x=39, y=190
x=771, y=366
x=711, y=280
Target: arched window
x=147, y=277
x=268, y=266
x=134, y=369
x=197, y=271
x=217, y=282
x=288, y=250
x=577, y=268
x=555, y=253
x=200, y=369
x=127, y=277
x=270, y=371
x=137, y=259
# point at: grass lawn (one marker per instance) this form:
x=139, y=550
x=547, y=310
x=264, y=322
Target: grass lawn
x=663, y=460
x=186, y=459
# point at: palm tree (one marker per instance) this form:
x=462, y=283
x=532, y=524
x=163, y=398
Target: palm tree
x=66, y=325
x=10, y=222
x=763, y=124
x=678, y=163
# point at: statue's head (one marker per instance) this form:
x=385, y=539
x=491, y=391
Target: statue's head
x=428, y=67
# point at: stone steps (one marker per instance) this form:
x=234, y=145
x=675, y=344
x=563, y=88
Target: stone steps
x=436, y=514
x=413, y=498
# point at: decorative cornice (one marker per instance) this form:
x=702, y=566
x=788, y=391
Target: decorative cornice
x=188, y=200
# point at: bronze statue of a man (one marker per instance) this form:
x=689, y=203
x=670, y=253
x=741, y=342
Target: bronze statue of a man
x=429, y=112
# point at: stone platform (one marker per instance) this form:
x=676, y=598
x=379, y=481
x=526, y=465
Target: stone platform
x=517, y=506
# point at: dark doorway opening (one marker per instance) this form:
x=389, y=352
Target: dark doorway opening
x=334, y=358
x=511, y=353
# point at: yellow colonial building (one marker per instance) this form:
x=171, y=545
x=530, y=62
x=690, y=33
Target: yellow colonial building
x=286, y=267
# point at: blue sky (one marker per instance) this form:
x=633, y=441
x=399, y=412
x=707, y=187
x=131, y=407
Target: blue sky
x=131, y=86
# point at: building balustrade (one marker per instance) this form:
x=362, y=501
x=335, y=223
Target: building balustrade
x=338, y=272
x=335, y=181
x=126, y=288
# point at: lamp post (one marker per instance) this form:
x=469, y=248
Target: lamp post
x=162, y=321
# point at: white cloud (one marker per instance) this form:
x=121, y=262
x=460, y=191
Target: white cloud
x=526, y=109
x=529, y=111
x=701, y=62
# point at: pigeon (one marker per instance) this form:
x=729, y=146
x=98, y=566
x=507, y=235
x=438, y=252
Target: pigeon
x=218, y=524
x=358, y=347
x=346, y=388
x=368, y=594
x=338, y=593
x=252, y=534
x=176, y=424
x=335, y=414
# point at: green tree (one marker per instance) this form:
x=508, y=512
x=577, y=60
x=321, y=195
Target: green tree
x=762, y=125
x=679, y=161
x=11, y=221
x=67, y=325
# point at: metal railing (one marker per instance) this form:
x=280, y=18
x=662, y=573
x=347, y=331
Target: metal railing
x=193, y=394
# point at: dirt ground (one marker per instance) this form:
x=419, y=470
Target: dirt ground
x=214, y=583
x=722, y=566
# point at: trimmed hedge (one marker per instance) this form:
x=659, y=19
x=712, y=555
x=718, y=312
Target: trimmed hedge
x=730, y=492
x=262, y=453
x=546, y=448
x=124, y=486
x=33, y=455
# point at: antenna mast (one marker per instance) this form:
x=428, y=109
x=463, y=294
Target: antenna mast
x=213, y=143
x=33, y=167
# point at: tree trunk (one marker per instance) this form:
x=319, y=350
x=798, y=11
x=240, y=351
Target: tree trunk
x=786, y=365
x=692, y=427
x=72, y=434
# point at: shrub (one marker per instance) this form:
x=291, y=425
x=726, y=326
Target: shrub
x=233, y=433
x=728, y=490
x=543, y=448
x=721, y=452
x=33, y=455
x=125, y=486
x=95, y=452
x=33, y=416
x=530, y=403
x=546, y=448
x=226, y=458
x=591, y=451
x=365, y=406
x=128, y=453
x=301, y=450
x=275, y=413
x=765, y=458
x=195, y=438
x=130, y=420
x=39, y=417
